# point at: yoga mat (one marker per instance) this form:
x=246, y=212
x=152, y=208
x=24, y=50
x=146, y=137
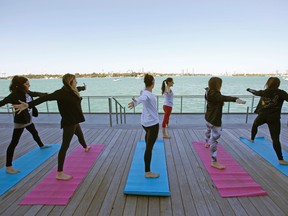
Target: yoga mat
x=26, y=164
x=51, y=191
x=265, y=149
x=233, y=181
x=137, y=184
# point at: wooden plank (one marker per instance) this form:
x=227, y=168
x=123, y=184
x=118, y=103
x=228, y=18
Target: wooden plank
x=120, y=198
x=192, y=191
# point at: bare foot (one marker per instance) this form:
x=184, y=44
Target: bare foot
x=151, y=175
x=217, y=165
x=166, y=136
x=283, y=162
x=45, y=146
x=10, y=170
x=87, y=149
x=167, y=126
x=62, y=176
x=207, y=145
x=250, y=140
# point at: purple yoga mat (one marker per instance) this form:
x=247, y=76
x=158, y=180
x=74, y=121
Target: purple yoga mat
x=51, y=191
x=233, y=181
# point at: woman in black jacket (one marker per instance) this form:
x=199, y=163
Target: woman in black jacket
x=269, y=112
x=69, y=105
x=213, y=116
x=19, y=89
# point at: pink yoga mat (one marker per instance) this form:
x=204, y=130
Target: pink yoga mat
x=57, y=192
x=233, y=181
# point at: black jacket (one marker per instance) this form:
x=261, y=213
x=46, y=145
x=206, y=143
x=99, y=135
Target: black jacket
x=271, y=101
x=215, y=102
x=13, y=98
x=69, y=105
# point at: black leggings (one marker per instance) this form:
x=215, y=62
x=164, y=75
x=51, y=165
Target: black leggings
x=17, y=132
x=68, y=133
x=150, y=139
x=274, y=126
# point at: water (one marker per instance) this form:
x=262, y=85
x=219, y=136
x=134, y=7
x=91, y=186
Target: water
x=124, y=88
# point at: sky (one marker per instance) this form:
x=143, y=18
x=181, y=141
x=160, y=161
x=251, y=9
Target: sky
x=163, y=36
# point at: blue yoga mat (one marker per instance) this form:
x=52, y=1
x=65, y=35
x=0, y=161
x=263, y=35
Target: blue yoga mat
x=265, y=149
x=137, y=184
x=26, y=164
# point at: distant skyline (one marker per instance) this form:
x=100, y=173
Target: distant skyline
x=203, y=37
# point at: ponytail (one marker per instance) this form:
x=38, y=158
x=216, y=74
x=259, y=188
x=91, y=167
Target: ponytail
x=163, y=86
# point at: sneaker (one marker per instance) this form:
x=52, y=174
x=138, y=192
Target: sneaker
x=151, y=175
x=207, y=145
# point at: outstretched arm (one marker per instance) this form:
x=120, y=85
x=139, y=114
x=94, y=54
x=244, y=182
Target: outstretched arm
x=254, y=92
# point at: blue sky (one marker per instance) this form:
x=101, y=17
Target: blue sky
x=205, y=36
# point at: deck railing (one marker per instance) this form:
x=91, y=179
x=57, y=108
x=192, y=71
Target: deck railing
x=118, y=106
x=184, y=104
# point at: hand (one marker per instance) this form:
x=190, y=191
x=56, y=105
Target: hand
x=131, y=104
x=20, y=107
x=239, y=101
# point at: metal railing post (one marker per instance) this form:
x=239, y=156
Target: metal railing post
x=121, y=115
x=247, y=112
x=124, y=116
x=181, y=104
x=252, y=104
x=116, y=107
x=110, y=110
x=228, y=107
x=89, y=108
x=47, y=107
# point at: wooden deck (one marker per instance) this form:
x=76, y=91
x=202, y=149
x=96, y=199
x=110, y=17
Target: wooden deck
x=192, y=191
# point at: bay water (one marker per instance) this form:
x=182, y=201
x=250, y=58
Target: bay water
x=188, y=90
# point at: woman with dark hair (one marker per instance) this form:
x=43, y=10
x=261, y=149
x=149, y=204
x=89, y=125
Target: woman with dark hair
x=269, y=112
x=168, y=104
x=19, y=89
x=69, y=105
x=149, y=121
x=213, y=116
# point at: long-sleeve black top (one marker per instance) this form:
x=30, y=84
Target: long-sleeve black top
x=215, y=101
x=271, y=101
x=14, y=97
x=69, y=105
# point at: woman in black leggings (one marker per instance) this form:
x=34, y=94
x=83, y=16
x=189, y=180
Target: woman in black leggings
x=149, y=121
x=69, y=105
x=269, y=112
x=19, y=89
